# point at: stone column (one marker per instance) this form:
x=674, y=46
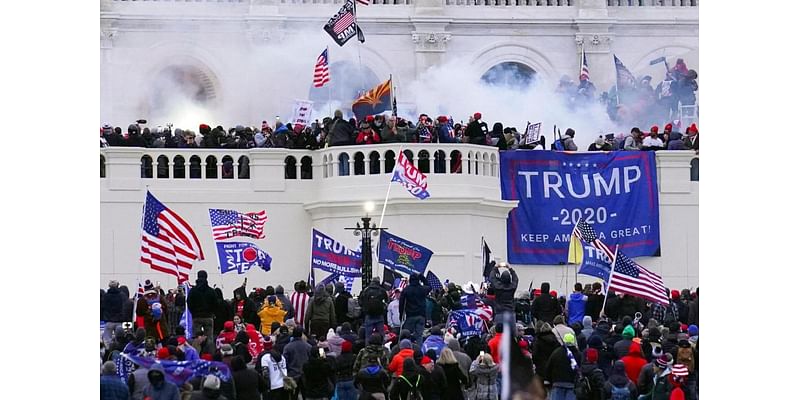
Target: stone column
x=267, y=170
x=124, y=168
x=429, y=34
x=108, y=32
x=594, y=38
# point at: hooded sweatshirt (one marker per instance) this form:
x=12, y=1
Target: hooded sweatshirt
x=321, y=307
x=634, y=362
x=412, y=298
x=576, y=307
x=587, y=327
x=285, y=302
x=269, y=314
x=504, y=285
x=618, y=380
x=463, y=359
x=163, y=390
x=545, y=307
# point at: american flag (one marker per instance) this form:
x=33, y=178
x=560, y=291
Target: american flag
x=226, y=224
x=474, y=302
x=584, y=69
x=434, y=282
x=321, y=73
x=400, y=283
x=169, y=244
x=364, y=2
x=635, y=280
x=585, y=232
x=625, y=79
x=345, y=21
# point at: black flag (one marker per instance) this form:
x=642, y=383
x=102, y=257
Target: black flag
x=342, y=26
x=488, y=264
x=360, y=34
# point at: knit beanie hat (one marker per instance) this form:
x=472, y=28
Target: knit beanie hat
x=347, y=347
x=405, y=344
x=591, y=355
x=693, y=330
x=569, y=339
x=163, y=353
x=628, y=332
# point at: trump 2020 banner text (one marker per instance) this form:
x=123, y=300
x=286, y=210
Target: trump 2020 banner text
x=331, y=256
x=402, y=255
x=615, y=192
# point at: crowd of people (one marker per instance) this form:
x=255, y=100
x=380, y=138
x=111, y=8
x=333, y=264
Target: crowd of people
x=401, y=342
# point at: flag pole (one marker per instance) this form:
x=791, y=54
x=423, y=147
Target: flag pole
x=330, y=86
x=610, y=276
x=389, y=189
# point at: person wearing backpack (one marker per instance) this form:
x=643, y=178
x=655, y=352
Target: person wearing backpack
x=619, y=387
x=409, y=384
x=559, y=370
x=372, y=381
x=412, y=306
x=591, y=380
x=341, y=303
x=373, y=302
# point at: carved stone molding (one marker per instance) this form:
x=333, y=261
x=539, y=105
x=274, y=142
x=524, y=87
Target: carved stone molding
x=430, y=41
x=107, y=37
x=594, y=42
x=266, y=35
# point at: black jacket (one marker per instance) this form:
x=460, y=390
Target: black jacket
x=597, y=380
x=249, y=384
x=341, y=133
x=249, y=312
x=371, y=379
x=558, y=367
x=543, y=347
x=317, y=379
x=344, y=367
x=594, y=305
x=201, y=300
x=412, y=299
x=113, y=306
x=545, y=308
x=377, y=291
x=340, y=307
x=455, y=378
x=505, y=286
x=476, y=133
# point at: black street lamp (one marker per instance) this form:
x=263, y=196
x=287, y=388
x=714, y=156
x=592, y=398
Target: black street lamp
x=366, y=231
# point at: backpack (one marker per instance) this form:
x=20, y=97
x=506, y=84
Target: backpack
x=353, y=308
x=670, y=314
x=620, y=393
x=413, y=390
x=583, y=388
x=372, y=302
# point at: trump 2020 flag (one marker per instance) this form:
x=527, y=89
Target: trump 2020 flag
x=226, y=224
x=586, y=250
x=411, y=178
x=241, y=256
x=342, y=26
x=402, y=255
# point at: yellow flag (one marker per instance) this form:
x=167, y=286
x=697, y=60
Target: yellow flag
x=575, y=251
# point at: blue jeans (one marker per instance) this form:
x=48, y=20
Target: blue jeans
x=415, y=324
x=345, y=390
x=562, y=393
x=371, y=324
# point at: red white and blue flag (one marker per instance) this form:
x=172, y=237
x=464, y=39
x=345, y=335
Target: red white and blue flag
x=584, y=76
x=633, y=279
x=226, y=224
x=410, y=177
x=321, y=72
x=169, y=244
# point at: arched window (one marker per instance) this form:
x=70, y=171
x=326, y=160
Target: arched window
x=409, y=156
x=374, y=163
x=325, y=166
x=306, y=171
x=344, y=164
x=211, y=167
x=486, y=168
x=439, y=162
x=244, y=168
x=694, y=172
x=179, y=167
x=469, y=162
x=195, y=169
x=358, y=161
x=511, y=75
x=455, y=162
x=147, y=167
x=227, y=167
x=291, y=167
x=424, y=162
x=494, y=164
x=163, y=167
x=388, y=164
x=102, y=166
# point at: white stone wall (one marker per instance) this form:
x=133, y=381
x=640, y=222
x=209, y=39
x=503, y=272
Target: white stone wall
x=463, y=207
x=242, y=44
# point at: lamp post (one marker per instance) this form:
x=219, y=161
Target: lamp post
x=366, y=230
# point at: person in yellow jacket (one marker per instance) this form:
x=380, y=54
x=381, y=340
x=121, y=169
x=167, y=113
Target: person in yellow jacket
x=270, y=312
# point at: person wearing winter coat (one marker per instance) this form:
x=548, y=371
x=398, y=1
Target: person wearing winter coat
x=646, y=381
x=505, y=285
x=271, y=311
x=476, y=130
x=340, y=131
x=343, y=367
x=210, y=390
x=160, y=388
x=367, y=135
x=241, y=346
x=634, y=361
x=622, y=347
x=483, y=371
x=340, y=301
x=113, y=307
x=434, y=342
x=587, y=327
x=244, y=307
x=634, y=141
x=406, y=351
x=543, y=346
x=558, y=369
x=296, y=354
x=374, y=348
x=372, y=381
x=151, y=310
x=576, y=305
x=456, y=378
x=318, y=377
x=249, y=384
x=202, y=303
x=545, y=307
x=560, y=329
x=463, y=359
x=321, y=314
x=569, y=140
x=412, y=306
x=618, y=386
x=594, y=374
x=111, y=387
x=594, y=303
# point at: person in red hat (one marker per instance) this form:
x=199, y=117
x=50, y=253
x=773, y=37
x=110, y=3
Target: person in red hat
x=477, y=130
x=692, y=140
x=653, y=142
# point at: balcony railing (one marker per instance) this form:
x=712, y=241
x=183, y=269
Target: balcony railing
x=511, y=3
x=653, y=3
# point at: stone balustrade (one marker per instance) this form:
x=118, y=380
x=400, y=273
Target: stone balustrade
x=458, y=3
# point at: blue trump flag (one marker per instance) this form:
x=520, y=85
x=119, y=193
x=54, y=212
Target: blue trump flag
x=241, y=256
x=402, y=255
x=178, y=372
x=616, y=192
x=331, y=256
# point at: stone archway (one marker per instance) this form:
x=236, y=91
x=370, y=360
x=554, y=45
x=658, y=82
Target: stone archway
x=510, y=74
